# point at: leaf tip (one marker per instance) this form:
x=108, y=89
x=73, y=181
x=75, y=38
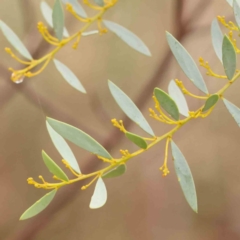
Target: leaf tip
x=49, y=119
x=21, y=218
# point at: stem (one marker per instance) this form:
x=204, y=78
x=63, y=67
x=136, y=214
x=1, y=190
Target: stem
x=126, y=158
x=64, y=42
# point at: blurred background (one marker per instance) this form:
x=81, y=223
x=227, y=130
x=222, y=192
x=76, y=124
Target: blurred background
x=141, y=204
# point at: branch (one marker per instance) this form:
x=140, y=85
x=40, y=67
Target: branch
x=35, y=225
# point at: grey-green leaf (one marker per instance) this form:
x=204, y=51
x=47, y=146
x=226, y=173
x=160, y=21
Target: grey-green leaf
x=47, y=14
x=210, y=102
x=233, y=110
x=116, y=172
x=167, y=103
x=184, y=176
x=63, y=148
x=99, y=196
x=79, y=138
x=229, y=57
x=231, y=2
x=99, y=2
x=217, y=38
x=130, y=109
x=186, y=62
x=39, y=206
x=236, y=9
x=128, y=37
x=53, y=167
x=176, y=94
x=14, y=40
x=140, y=142
x=77, y=7
x=58, y=19
x=69, y=76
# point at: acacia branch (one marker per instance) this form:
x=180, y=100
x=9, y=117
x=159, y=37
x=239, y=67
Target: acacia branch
x=36, y=224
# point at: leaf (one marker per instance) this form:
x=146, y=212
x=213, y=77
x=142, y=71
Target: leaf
x=231, y=2
x=84, y=34
x=14, y=40
x=47, y=14
x=58, y=19
x=63, y=148
x=236, y=9
x=128, y=106
x=53, y=167
x=140, y=142
x=177, y=95
x=39, y=206
x=69, y=76
x=79, y=138
x=128, y=37
x=210, y=102
x=186, y=62
x=77, y=7
x=167, y=103
x=99, y=196
x=118, y=171
x=229, y=58
x=99, y=3
x=184, y=177
x=233, y=110
x=217, y=38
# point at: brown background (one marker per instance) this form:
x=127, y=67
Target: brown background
x=141, y=205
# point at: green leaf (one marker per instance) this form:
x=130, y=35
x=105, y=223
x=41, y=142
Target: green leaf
x=99, y=2
x=116, y=172
x=69, y=76
x=167, y=103
x=58, y=19
x=39, y=206
x=217, y=38
x=47, y=14
x=79, y=138
x=130, y=109
x=236, y=9
x=128, y=37
x=233, y=110
x=210, y=102
x=140, y=142
x=177, y=95
x=184, y=177
x=53, y=167
x=77, y=7
x=63, y=148
x=14, y=40
x=186, y=62
x=99, y=196
x=229, y=58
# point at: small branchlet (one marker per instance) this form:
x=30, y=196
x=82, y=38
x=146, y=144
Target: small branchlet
x=119, y=125
x=164, y=167
x=18, y=75
x=230, y=25
x=234, y=42
x=210, y=72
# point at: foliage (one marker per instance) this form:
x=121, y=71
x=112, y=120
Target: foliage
x=170, y=108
